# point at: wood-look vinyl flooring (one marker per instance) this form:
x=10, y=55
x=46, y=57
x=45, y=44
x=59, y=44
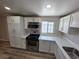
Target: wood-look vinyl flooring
x=6, y=52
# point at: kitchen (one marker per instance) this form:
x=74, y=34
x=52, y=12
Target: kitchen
x=55, y=35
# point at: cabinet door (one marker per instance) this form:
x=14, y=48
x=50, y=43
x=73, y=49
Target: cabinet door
x=37, y=19
x=11, y=34
x=16, y=19
x=10, y=19
x=23, y=43
x=52, y=47
x=58, y=53
x=66, y=24
x=14, y=26
x=44, y=46
x=12, y=41
x=61, y=55
x=18, y=42
x=17, y=29
x=30, y=19
x=13, y=19
x=61, y=25
x=25, y=22
x=11, y=29
x=75, y=20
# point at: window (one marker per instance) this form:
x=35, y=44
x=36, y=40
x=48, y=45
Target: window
x=47, y=27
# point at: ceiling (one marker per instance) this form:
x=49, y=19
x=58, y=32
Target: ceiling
x=38, y=7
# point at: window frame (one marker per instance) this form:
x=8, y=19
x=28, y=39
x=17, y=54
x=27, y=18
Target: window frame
x=47, y=28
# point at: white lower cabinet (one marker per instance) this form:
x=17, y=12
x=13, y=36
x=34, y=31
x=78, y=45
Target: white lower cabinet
x=61, y=54
x=23, y=43
x=44, y=46
x=52, y=47
x=57, y=55
x=12, y=41
x=18, y=42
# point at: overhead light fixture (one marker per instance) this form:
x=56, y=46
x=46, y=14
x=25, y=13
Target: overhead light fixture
x=7, y=8
x=48, y=6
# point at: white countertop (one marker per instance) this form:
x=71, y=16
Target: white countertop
x=48, y=38
x=60, y=40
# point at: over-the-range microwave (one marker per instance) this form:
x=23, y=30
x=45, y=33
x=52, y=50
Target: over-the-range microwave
x=33, y=24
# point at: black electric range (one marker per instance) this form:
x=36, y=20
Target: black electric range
x=32, y=42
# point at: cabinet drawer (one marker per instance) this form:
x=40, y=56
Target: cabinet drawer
x=23, y=43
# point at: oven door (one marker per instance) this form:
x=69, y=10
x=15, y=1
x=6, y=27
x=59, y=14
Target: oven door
x=32, y=45
x=32, y=42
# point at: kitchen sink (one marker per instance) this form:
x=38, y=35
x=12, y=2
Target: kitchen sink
x=73, y=53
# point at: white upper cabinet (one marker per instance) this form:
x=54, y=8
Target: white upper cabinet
x=75, y=20
x=25, y=23
x=13, y=19
x=69, y=21
x=64, y=24
x=37, y=19
x=61, y=24
x=31, y=19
